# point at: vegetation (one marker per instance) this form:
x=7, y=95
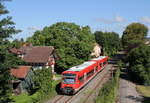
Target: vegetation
x=134, y=35
x=72, y=42
x=108, y=92
x=7, y=60
x=17, y=43
x=109, y=41
x=143, y=90
x=43, y=88
x=139, y=64
x=34, y=98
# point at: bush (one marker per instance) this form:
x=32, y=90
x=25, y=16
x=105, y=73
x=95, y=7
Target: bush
x=139, y=64
x=42, y=83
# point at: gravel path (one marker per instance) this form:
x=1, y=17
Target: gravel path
x=127, y=91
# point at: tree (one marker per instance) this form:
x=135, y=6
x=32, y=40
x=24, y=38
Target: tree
x=7, y=60
x=72, y=42
x=134, y=35
x=139, y=63
x=109, y=41
x=17, y=43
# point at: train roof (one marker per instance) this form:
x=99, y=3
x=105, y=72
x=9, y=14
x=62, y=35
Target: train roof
x=82, y=66
x=99, y=58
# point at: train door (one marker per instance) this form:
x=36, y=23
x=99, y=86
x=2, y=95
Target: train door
x=85, y=76
x=101, y=66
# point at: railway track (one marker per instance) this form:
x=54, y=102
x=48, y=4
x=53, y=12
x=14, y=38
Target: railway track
x=72, y=99
x=62, y=99
x=107, y=75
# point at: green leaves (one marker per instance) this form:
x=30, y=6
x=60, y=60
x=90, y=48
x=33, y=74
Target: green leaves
x=42, y=82
x=109, y=41
x=73, y=43
x=7, y=60
x=134, y=35
x=139, y=63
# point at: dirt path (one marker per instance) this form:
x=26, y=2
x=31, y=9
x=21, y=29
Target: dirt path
x=127, y=91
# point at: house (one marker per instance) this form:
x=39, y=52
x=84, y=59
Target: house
x=97, y=50
x=147, y=42
x=40, y=56
x=37, y=56
x=23, y=79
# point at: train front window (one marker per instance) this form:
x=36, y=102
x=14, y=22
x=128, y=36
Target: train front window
x=69, y=78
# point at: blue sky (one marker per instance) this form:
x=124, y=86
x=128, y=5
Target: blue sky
x=104, y=15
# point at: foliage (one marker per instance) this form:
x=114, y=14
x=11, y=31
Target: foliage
x=108, y=92
x=133, y=35
x=72, y=42
x=23, y=98
x=17, y=43
x=109, y=41
x=42, y=83
x=34, y=98
x=139, y=63
x=7, y=60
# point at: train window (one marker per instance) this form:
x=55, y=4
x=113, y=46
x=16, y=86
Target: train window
x=81, y=79
x=69, y=75
x=69, y=78
x=96, y=68
x=100, y=64
x=90, y=73
x=105, y=62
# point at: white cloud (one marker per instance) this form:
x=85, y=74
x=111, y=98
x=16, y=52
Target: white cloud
x=145, y=19
x=33, y=28
x=103, y=20
x=116, y=19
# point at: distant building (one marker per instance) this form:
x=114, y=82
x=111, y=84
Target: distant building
x=97, y=51
x=147, y=42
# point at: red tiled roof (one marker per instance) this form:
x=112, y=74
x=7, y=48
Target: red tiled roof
x=21, y=72
x=22, y=50
x=38, y=54
x=14, y=50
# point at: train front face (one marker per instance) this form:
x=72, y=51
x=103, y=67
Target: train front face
x=68, y=83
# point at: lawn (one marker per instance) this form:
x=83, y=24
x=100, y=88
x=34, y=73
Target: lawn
x=23, y=98
x=143, y=90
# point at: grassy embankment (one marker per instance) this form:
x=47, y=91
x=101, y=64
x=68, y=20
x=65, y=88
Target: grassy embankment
x=145, y=92
x=108, y=92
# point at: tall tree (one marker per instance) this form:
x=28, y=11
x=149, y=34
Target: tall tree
x=7, y=60
x=134, y=35
x=109, y=41
x=72, y=42
x=139, y=63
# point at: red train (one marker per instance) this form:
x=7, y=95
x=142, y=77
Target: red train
x=76, y=77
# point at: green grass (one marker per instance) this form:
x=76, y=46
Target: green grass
x=58, y=75
x=143, y=90
x=23, y=98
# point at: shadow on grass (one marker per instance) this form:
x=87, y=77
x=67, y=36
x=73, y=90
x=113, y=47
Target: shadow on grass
x=136, y=99
x=58, y=88
x=146, y=100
